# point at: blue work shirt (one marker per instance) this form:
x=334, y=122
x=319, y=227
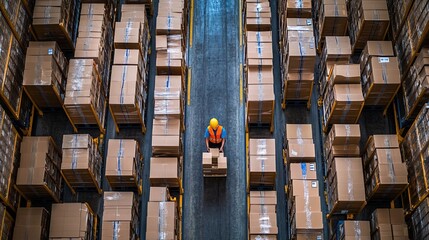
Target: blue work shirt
x=222, y=135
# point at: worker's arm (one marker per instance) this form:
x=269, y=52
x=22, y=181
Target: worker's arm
x=223, y=143
x=207, y=145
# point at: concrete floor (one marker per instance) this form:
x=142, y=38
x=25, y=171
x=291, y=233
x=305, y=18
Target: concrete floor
x=215, y=208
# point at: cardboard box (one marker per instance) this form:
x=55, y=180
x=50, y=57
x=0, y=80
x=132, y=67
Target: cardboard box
x=158, y=194
x=127, y=57
x=305, y=188
x=262, y=147
x=259, y=36
x=120, y=230
x=303, y=171
x=166, y=127
x=299, y=131
x=260, y=50
x=260, y=75
x=310, y=204
x=264, y=164
x=164, y=168
x=397, y=216
x=339, y=45
x=306, y=221
x=385, y=141
x=345, y=134
x=348, y=92
x=357, y=229
x=300, y=152
x=263, y=198
x=263, y=236
x=350, y=183
x=122, y=148
x=69, y=220
x=168, y=212
x=346, y=73
x=260, y=223
x=168, y=87
x=116, y=199
x=207, y=159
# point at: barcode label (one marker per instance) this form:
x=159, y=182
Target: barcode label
x=383, y=59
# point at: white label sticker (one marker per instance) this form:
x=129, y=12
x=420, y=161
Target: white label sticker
x=311, y=166
x=314, y=184
x=383, y=60
x=308, y=22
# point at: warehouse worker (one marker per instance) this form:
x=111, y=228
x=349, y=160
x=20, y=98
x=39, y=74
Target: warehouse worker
x=215, y=135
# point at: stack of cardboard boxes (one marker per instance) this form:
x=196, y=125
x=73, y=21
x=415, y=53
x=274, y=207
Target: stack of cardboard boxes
x=348, y=230
x=381, y=78
x=344, y=176
x=409, y=42
x=56, y=21
x=385, y=173
x=82, y=162
x=85, y=100
x=263, y=215
x=388, y=224
x=45, y=74
x=12, y=56
x=299, y=143
x=298, y=59
x=420, y=220
x=72, y=221
x=258, y=15
x=120, y=216
x=262, y=162
x=343, y=100
x=39, y=175
x=342, y=141
x=332, y=20
x=298, y=9
x=31, y=223
x=214, y=163
x=346, y=190
x=416, y=84
x=369, y=20
x=304, y=209
x=166, y=163
x=259, y=46
x=415, y=152
x=95, y=37
x=9, y=149
x=337, y=50
x=124, y=164
x=128, y=86
x=162, y=216
x=398, y=12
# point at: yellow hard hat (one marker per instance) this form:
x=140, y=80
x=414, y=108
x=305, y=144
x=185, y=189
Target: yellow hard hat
x=214, y=123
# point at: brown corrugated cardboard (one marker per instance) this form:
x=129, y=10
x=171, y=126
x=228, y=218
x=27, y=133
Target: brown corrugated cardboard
x=263, y=197
x=119, y=213
x=207, y=159
x=122, y=148
x=338, y=45
x=300, y=152
x=310, y=203
x=161, y=219
x=119, y=230
x=127, y=56
x=397, y=216
x=164, y=168
x=400, y=231
x=115, y=199
x=379, y=48
x=309, y=220
x=348, y=92
x=386, y=141
x=299, y=131
x=263, y=223
x=309, y=236
x=357, y=229
x=346, y=73
x=350, y=184
x=253, y=36
x=300, y=171
x=158, y=194
x=263, y=164
x=262, y=147
x=305, y=187
x=166, y=127
x=120, y=166
x=69, y=220
x=263, y=237
x=345, y=134
x=262, y=209
x=260, y=75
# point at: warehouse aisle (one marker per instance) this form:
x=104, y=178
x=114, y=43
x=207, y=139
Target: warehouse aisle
x=214, y=208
